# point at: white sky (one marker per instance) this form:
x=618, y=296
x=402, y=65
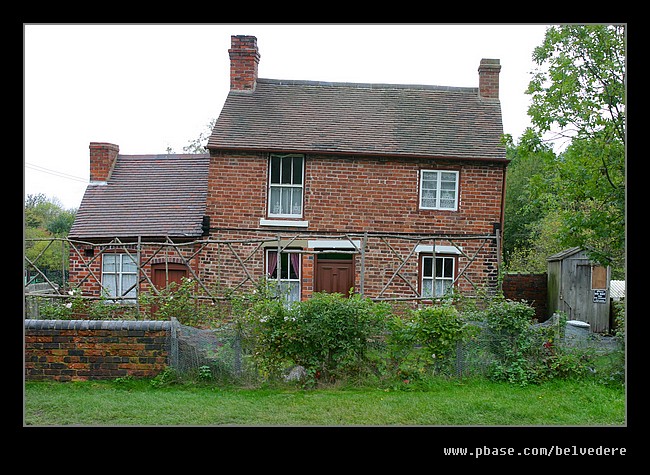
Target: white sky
x=147, y=87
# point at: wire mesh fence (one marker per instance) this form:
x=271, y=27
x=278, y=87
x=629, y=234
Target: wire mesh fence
x=221, y=355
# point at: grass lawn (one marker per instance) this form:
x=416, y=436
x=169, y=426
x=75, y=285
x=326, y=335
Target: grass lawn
x=474, y=402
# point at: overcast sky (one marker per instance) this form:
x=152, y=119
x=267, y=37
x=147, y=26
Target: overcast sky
x=148, y=88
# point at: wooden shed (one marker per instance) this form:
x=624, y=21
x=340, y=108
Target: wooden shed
x=580, y=288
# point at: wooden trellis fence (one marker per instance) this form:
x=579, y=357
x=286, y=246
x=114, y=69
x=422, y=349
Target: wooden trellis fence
x=185, y=252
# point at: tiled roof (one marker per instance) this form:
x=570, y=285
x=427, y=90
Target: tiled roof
x=347, y=118
x=148, y=196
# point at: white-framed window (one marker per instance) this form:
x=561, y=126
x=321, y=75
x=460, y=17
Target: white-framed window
x=119, y=277
x=289, y=285
x=286, y=177
x=437, y=275
x=439, y=189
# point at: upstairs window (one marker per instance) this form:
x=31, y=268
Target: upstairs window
x=119, y=277
x=437, y=275
x=286, y=185
x=439, y=189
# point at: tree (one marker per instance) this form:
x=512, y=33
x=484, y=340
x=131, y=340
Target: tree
x=578, y=94
x=44, y=219
x=523, y=213
x=198, y=145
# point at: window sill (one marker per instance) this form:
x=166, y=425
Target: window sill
x=284, y=223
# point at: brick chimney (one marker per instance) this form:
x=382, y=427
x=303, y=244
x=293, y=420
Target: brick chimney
x=244, y=58
x=488, y=78
x=102, y=160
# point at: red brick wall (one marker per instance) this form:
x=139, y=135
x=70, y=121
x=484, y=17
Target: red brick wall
x=354, y=195
x=102, y=160
x=488, y=73
x=528, y=287
x=76, y=350
x=361, y=194
x=244, y=60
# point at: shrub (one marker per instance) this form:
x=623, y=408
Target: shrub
x=329, y=334
x=512, y=341
x=425, y=341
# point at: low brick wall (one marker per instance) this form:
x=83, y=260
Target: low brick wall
x=528, y=287
x=76, y=350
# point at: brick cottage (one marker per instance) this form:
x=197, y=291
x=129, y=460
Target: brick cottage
x=393, y=191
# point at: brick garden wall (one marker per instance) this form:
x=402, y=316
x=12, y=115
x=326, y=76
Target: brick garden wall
x=77, y=350
x=528, y=287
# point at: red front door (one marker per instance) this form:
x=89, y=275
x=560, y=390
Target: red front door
x=164, y=274
x=334, y=275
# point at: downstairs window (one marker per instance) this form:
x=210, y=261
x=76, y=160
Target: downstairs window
x=289, y=273
x=437, y=275
x=119, y=277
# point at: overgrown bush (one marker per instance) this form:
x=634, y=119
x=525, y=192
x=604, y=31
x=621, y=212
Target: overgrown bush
x=75, y=307
x=329, y=335
x=513, y=340
x=177, y=301
x=525, y=353
x=425, y=341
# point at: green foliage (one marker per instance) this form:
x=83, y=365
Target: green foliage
x=582, y=84
x=43, y=252
x=527, y=354
x=611, y=371
x=61, y=224
x=328, y=334
x=512, y=339
x=51, y=309
x=531, y=228
x=45, y=219
x=354, y=341
x=179, y=301
x=578, y=92
x=76, y=307
x=544, y=240
x=166, y=377
x=425, y=341
x=198, y=145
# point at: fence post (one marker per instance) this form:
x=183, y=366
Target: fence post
x=173, y=343
x=363, y=263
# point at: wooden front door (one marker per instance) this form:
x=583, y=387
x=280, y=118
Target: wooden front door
x=334, y=275
x=164, y=274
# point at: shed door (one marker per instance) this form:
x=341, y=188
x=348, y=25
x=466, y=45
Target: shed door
x=334, y=275
x=579, y=294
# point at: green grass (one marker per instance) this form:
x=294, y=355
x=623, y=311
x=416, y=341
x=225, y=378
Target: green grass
x=475, y=402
